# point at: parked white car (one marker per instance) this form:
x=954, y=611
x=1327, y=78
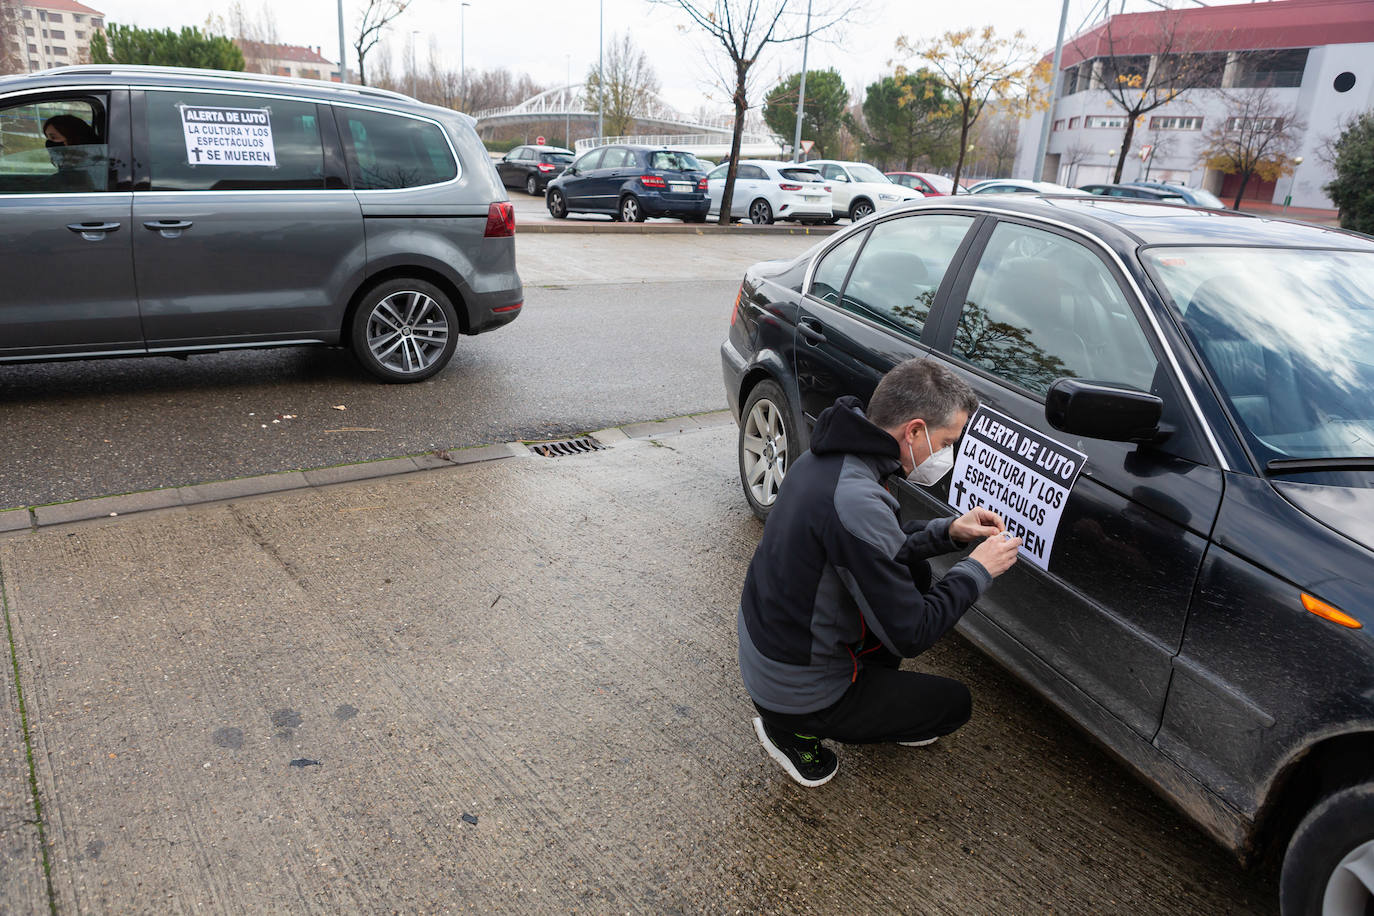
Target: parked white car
x=858, y=189
x=766, y=190
x=1021, y=186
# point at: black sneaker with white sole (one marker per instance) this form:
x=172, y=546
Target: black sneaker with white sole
x=922, y=743
x=804, y=758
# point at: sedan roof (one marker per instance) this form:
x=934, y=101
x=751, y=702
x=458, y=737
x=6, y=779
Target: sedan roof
x=1128, y=224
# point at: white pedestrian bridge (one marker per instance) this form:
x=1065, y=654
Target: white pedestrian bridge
x=663, y=125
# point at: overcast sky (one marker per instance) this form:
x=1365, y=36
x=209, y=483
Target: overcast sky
x=546, y=38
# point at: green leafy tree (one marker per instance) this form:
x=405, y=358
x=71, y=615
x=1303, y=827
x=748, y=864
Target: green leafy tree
x=822, y=113
x=907, y=118
x=127, y=44
x=1353, y=162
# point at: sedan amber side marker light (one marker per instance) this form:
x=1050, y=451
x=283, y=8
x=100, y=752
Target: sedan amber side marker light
x=1324, y=610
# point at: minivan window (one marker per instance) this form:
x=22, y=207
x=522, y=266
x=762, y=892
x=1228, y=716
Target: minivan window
x=618, y=158
x=222, y=142
x=900, y=269
x=54, y=146
x=387, y=151
x=1042, y=307
x=588, y=161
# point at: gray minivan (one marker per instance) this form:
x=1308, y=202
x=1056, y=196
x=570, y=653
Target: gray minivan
x=167, y=211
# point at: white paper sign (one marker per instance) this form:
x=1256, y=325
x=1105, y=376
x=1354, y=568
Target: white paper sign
x=1020, y=474
x=228, y=136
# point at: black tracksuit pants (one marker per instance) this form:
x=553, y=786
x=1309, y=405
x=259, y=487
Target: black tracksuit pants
x=883, y=704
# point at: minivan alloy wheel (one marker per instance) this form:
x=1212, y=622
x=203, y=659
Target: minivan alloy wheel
x=630, y=209
x=407, y=331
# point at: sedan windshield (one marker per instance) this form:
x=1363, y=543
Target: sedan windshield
x=862, y=172
x=1288, y=336
x=674, y=161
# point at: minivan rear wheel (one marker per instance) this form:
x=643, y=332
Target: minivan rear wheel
x=404, y=330
x=767, y=441
x=630, y=209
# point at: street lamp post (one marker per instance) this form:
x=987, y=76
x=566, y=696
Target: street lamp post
x=801, y=92
x=567, y=103
x=463, y=54
x=600, y=72
x=343, y=48
x=1292, y=181
x=414, y=64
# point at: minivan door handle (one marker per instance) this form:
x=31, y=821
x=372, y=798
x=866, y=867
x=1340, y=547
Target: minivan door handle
x=93, y=232
x=168, y=228
x=812, y=330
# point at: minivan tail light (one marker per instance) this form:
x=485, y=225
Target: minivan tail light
x=1327, y=612
x=653, y=181
x=500, y=220
x=790, y=187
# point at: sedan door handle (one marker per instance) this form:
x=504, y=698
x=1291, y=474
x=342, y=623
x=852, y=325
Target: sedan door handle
x=168, y=228
x=93, y=232
x=812, y=330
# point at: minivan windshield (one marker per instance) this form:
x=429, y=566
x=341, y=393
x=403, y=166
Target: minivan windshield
x=674, y=161
x=1288, y=337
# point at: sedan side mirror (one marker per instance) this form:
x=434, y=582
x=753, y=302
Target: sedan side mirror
x=1100, y=411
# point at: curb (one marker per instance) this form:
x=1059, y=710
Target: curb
x=580, y=226
x=31, y=518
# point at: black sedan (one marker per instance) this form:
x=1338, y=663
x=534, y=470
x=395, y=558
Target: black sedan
x=1134, y=192
x=533, y=167
x=631, y=183
x=1177, y=417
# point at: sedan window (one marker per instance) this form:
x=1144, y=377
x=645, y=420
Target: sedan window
x=900, y=269
x=828, y=280
x=1042, y=307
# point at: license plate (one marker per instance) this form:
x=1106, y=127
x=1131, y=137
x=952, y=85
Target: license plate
x=681, y=187
x=811, y=200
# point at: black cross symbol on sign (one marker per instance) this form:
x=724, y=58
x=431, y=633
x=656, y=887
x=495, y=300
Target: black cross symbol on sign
x=959, y=486
x=196, y=151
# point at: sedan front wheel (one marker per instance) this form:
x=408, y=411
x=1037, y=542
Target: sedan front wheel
x=767, y=440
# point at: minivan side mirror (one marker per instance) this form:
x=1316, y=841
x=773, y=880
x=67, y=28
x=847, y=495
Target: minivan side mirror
x=1100, y=411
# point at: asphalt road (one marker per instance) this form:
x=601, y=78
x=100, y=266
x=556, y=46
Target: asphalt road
x=615, y=329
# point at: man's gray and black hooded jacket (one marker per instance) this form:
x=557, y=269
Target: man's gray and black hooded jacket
x=836, y=574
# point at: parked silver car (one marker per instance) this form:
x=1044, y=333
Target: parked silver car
x=162, y=211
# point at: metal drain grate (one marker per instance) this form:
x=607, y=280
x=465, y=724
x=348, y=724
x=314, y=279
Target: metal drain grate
x=562, y=447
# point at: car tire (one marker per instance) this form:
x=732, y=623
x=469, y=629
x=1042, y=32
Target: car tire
x=859, y=209
x=557, y=204
x=760, y=213
x=631, y=210
x=531, y=186
x=767, y=445
x=1316, y=879
x=404, y=330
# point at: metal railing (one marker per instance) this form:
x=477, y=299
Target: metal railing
x=677, y=140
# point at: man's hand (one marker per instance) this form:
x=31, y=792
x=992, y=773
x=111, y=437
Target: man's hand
x=997, y=554
x=975, y=524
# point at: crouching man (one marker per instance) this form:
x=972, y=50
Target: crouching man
x=839, y=591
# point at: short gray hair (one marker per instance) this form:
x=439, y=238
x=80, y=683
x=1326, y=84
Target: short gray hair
x=920, y=389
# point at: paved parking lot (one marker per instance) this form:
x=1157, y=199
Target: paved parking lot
x=509, y=687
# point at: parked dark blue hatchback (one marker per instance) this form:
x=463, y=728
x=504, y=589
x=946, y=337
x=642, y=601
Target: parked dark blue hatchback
x=1177, y=417
x=632, y=183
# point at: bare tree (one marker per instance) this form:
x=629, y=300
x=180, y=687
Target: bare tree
x=12, y=54
x=1161, y=144
x=1257, y=138
x=744, y=29
x=1163, y=63
x=978, y=68
x=255, y=34
x=377, y=15
x=1073, y=156
x=630, y=85
x=997, y=135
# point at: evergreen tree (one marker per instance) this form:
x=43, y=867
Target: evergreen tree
x=1353, y=189
x=126, y=44
x=822, y=113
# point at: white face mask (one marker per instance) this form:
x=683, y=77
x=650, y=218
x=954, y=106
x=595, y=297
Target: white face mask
x=929, y=472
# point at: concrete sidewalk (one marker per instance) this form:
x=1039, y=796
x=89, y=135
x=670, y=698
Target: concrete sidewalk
x=508, y=686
